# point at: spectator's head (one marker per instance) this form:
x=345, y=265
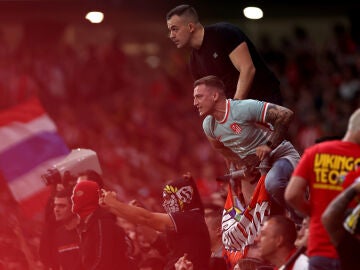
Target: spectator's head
x=85, y=198
x=277, y=234
x=185, y=11
x=208, y=92
x=354, y=123
x=182, y=22
x=63, y=205
x=182, y=195
x=212, y=82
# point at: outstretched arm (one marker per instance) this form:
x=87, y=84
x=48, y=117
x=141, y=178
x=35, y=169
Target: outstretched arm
x=241, y=59
x=333, y=216
x=137, y=215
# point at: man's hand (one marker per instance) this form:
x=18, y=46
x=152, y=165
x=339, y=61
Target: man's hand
x=183, y=263
x=262, y=151
x=107, y=198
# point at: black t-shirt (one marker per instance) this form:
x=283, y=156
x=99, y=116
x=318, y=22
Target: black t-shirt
x=67, y=243
x=59, y=247
x=191, y=237
x=212, y=58
x=104, y=244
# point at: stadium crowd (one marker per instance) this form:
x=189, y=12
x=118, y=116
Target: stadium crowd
x=141, y=122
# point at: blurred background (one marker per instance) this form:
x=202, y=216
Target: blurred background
x=122, y=89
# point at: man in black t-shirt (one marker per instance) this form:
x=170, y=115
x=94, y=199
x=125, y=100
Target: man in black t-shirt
x=60, y=242
x=222, y=49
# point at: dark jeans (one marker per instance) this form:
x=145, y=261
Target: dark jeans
x=275, y=183
x=277, y=179
x=323, y=263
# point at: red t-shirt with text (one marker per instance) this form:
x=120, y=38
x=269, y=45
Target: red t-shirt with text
x=325, y=166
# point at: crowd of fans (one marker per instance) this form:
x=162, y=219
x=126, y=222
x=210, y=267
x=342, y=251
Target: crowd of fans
x=140, y=119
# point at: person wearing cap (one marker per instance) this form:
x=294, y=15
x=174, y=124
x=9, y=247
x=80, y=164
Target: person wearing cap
x=345, y=233
x=103, y=244
x=183, y=223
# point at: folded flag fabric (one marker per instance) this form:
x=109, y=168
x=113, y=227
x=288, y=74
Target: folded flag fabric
x=29, y=146
x=242, y=223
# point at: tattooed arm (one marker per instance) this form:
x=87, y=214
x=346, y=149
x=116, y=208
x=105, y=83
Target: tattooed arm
x=280, y=117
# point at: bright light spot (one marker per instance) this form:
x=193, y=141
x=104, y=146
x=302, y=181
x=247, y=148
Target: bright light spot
x=253, y=13
x=95, y=16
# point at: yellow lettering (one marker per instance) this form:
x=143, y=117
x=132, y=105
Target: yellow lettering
x=330, y=170
x=349, y=165
x=336, y=162
x=333, y=177
x=317, y=174
x=318, y=160
x=323, y=176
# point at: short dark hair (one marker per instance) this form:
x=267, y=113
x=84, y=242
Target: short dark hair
x=183, y=10
x=285, y=227
x=64, y=193
x=212, y=81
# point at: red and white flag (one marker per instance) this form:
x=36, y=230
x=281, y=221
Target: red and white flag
x=29, y=146
x=241, y=224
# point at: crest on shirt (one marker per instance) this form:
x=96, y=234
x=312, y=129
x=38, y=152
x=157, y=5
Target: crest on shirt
x=236, y=128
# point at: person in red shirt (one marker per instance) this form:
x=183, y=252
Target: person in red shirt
x=316, y=181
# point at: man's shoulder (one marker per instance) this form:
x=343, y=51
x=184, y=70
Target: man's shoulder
x=208, y=125
x=103, y=215
x=221, y=25
x=224, y=28
x=208, y=121
x=244, y=104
